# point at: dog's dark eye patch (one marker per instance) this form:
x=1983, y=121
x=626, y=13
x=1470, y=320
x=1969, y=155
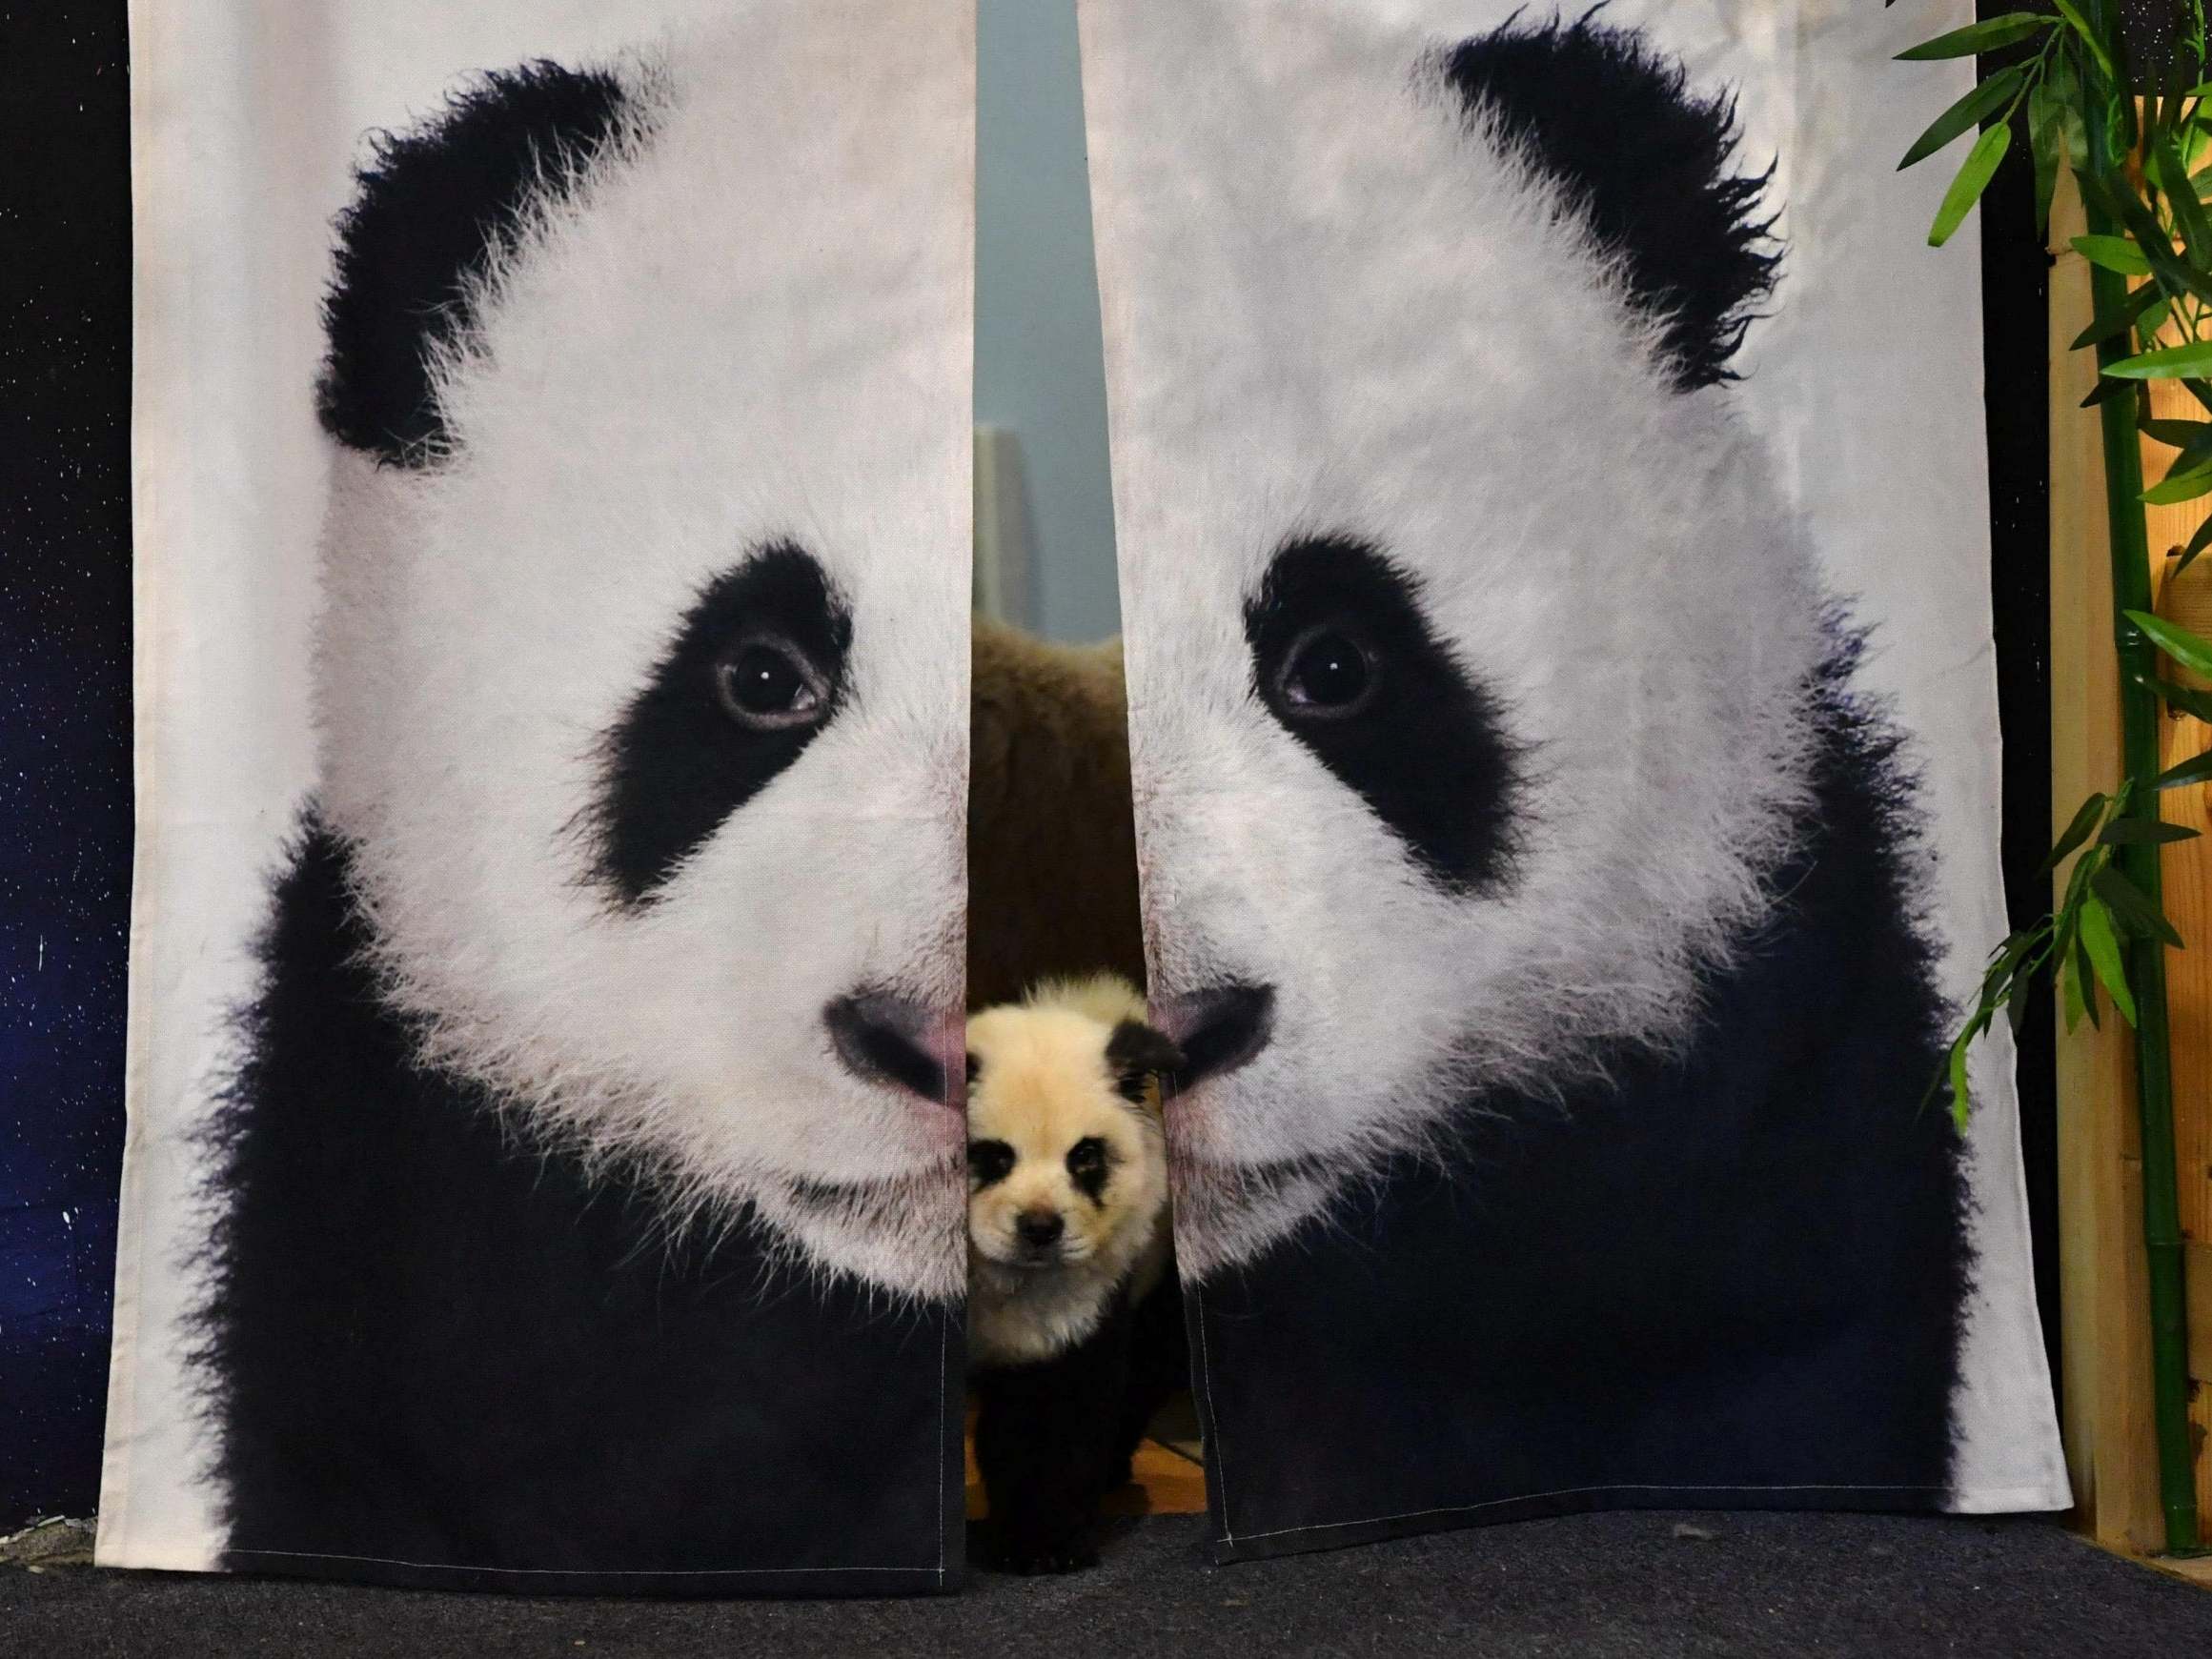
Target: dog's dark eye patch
x=1088, y=1167
x=990, y=1161
x=1344, y=660
x=757, y=669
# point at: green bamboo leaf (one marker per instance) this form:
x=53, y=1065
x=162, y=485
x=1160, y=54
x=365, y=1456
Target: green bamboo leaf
x=2186, y=487
x=2067, y=10
x=2172, y=175
x=2113, y=254
x=2167, y=363
x=2078, y=831
x=2104, y=391
x=2190, y=139
x=2197, y=704
x=1970, y=180
x=2115, y=196
x=1962, y=1103
x=2006, y=959
x=2137, y=831
x=1985, y=100
x=2046, y=147
x=2178, y=435
x=2197, y=544
x=2103, y=944
x=2121, y=318
x=2196, y=458
x=2078, y=978
x=2191, y=651
x=2193, y=770
x=2134, y=907
x=1979, y=37
x=2063, y=95
x=2077, y=885
x=2117, y=200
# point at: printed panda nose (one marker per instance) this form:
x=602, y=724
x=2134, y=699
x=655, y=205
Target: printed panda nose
x=882, y=1038
x=1039, y=1228
x=1218, y=1029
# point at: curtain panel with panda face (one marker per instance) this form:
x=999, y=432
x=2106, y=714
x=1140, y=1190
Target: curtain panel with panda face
x=1548, y=488
x=545, y=1165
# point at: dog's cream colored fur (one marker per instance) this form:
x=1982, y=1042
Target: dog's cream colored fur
x=1044, y=1084
x=1334, y=302
x=747, y=320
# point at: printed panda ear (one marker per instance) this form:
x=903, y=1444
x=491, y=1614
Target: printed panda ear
x=1135, y=1052
x=1645, y=163
x=432, y=207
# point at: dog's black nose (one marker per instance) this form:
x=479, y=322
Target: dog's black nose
x=886, y=1039
x=1218, y=1029
x=1039, y=1228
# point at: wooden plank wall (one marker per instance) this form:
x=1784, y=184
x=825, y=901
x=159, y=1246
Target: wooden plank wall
x=2106, y=1339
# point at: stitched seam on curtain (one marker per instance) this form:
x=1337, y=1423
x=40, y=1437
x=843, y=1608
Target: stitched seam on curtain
x=1215, y=1473
x=577, y=1571
x=1578, y=1491
x=943, y=1352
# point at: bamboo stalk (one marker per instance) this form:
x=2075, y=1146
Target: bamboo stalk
x=2138, y=862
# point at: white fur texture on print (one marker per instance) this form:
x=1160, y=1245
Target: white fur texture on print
x=1346, y=312
x=745, y=327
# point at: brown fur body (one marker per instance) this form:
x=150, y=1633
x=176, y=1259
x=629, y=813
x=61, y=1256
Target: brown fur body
x=1052, y=845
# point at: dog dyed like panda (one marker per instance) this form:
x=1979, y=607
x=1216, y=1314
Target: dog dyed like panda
x=590, y=1192
x=1075, y=1323
x=1534, y=898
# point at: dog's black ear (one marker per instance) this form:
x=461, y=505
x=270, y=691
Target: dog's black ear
x=1135, y=1052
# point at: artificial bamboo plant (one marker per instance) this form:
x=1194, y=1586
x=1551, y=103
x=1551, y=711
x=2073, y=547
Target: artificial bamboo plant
x=2138, y=139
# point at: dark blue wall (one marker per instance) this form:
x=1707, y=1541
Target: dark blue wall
x=65, y=733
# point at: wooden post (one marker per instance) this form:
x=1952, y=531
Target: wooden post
x=2104, y=1294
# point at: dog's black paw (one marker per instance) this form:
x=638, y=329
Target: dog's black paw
x=1041, y=1557
x=1037, y=1563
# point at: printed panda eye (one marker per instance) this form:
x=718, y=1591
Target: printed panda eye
x=989, y=1161
x=754, y=674
x=1346, y=661
x=767, y=684
x=1328, y=672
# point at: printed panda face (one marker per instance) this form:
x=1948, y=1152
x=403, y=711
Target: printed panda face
x=1468, y=638
x=643, y=684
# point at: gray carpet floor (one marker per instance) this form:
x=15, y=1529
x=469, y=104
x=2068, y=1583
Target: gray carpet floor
x=1592, y=1586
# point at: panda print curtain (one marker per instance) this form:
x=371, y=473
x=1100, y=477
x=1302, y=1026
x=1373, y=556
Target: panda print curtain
x=1547, y=474
x=1546, y=480
x=546, y=1168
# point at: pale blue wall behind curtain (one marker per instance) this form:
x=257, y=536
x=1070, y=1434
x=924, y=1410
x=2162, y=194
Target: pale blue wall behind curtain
x=1037, y=367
